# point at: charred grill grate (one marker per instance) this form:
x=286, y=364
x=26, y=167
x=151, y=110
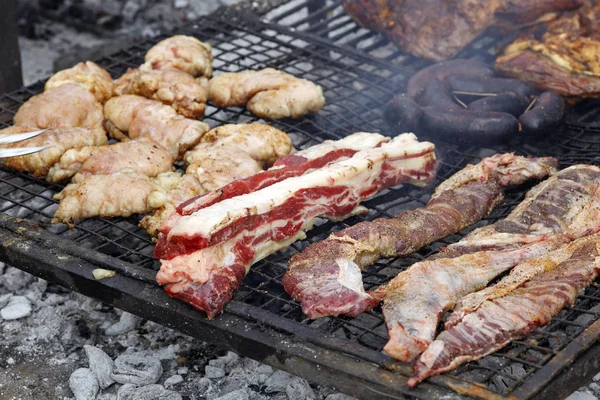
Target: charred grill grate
x=357, y=88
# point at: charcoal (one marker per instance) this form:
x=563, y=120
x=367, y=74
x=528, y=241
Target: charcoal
x=339, y=396
x=136, y=369
x=83, y=384
x=493, y=362
x=17, y=307
x=36, y=290
x=214, y=372
x=241, y=394
x=299, y=389
x=277, y=382
x=581, y=396
x=229, y=358
x=232, y=384
x=173, y=380
x=14, y=279
x=4, y=299
x=126, y=323
x=101, y=365
x=558, y=340
x=517, y=370
x=150, y=392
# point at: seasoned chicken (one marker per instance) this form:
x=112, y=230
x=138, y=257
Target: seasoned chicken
x=140, y=156
x=60, y=140
x=121, y=194
x=88, y=74
x=267, y=93
x=440, y=29
x=178, y=89
x=180, y=52
x=261, y=142
x=65, y=106
x=211, y=170
x=133, y=117
x=565, y=58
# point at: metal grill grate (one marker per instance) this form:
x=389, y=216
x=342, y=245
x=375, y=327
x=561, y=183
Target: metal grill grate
x=357, y=89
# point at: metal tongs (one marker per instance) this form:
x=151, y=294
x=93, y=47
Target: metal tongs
x=18, y=137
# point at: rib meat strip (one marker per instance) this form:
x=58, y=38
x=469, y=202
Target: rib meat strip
x=515, y=314
x=556, y=211
x=286, y=167
x=326, y=277
x=239, y=231
x=184, y=236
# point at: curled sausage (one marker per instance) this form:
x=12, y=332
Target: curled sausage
x=437, y=93
x=545, y=114
x=471, y=68
x=402, y=112
x=482, y=127
x=504, y=102
x=476, y=84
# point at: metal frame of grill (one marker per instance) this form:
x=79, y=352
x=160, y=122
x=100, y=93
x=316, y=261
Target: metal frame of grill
x=262, y=322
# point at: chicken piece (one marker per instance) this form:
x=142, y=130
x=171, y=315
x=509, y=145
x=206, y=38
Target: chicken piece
x=268, y=93
x=141, y=156
x=60, y=140
x=65, y=106
x=565, y=59
x=89, y=75
x=121, y=194
x=262, y=142
x=134, y=117
x=184, y=53
x=440, y=29
x=211, y=170
x=186, y=94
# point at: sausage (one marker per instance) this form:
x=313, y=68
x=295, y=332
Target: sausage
x=437, y=93
x=504, y=102
x=490, y=85
x=402, y=112
x=472, y=68
x=545, y=114
x=465, y=126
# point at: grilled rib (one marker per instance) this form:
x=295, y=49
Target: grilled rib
x=326, y=276
x=242, y=230
x=286, y=167
x=416, y=299
x=516, y=313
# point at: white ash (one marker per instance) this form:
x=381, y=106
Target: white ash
x=137, y=369
x=173, y=380
x=126, y=323
x=150, y=392
x=17, y=307
x=83, y=384
x=100, y=364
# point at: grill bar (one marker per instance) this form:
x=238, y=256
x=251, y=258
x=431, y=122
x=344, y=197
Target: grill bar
x=262, y=321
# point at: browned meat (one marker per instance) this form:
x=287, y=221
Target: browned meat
x=516, y=313
x=440, y=29
x=566, y=58
x=89, y=75
x=326, y=276
x=66, y=106
x=178, y=89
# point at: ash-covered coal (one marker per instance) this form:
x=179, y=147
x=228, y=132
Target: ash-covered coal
x=61, y=349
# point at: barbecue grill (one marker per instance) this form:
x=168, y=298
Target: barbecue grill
x=359, y=72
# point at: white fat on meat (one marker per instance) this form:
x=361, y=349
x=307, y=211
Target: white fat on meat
x=356, y=172
x=350, y=276
x=198, y=266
